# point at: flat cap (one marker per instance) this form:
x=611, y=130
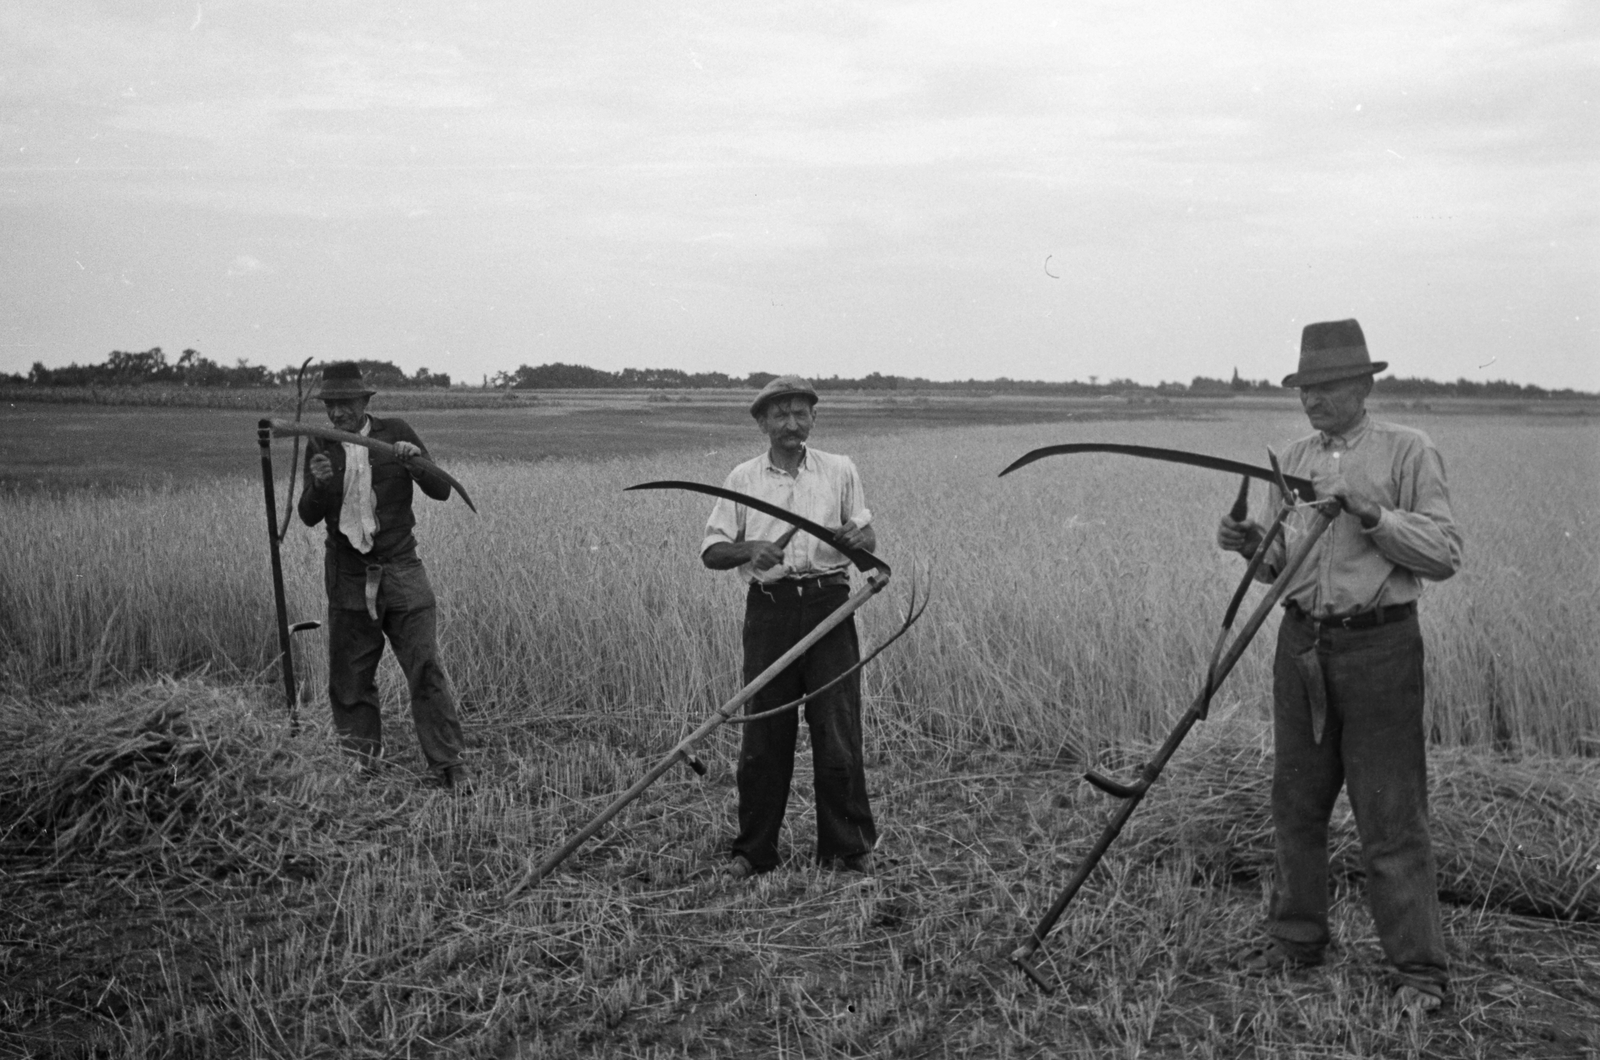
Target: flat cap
x=782, y=387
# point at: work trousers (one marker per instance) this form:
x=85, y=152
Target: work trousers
x=775, y=620
x=1374, y=745
x=407, y=617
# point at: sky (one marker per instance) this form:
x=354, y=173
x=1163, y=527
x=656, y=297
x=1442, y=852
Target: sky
x=1072, y=190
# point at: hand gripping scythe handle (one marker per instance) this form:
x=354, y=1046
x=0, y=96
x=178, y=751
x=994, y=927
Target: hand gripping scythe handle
x=875, y=582
x=1132, y=794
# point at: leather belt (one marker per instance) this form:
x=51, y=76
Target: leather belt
x=802, y=586
x=1361, y=620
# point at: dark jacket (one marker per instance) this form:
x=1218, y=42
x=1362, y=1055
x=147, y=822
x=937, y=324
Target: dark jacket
x=391, y=490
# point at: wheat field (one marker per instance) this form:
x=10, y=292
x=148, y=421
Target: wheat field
x=190, y=879
x=1075, y=600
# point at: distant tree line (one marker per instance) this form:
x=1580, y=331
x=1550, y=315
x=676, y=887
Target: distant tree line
x=191, y=369
x=560, y=376
x=1412, y=387
x=151, y=367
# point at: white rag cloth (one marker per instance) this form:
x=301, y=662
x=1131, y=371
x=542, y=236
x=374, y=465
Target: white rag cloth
x=358, y=515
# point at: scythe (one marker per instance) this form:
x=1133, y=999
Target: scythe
x=877, y=579
x=1221, y=662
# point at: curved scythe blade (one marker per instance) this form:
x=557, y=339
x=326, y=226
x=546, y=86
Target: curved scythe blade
x=1301, y=486
x=863, y=559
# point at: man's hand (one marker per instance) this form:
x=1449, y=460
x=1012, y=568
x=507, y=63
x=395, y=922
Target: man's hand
x=852, y=536
x=764, y=555
x=321, y=470
x=1241, y=536
x=404, y=451
x=1356, y=501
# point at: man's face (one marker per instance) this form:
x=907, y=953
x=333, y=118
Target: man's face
x=1335, y=407
x=787, y=422
x=347, y=414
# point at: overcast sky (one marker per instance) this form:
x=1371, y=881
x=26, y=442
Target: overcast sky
x=1152, y=190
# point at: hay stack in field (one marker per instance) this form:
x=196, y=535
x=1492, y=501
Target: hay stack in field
x=169, y=779
x=1519, y=835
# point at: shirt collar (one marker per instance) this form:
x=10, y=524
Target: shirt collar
x=1351, y=438
x=805, y=457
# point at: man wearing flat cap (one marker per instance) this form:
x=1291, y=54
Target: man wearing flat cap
x=795, y=581
x=376, y=584
x=1348, y=672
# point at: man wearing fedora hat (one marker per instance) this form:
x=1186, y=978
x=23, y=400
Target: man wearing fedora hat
x=795, y=581
x=1348, y=672
x=376, y=584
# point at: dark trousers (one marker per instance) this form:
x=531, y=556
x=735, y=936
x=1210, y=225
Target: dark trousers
x=775, y=620
x=1374, y=745
x=407, y=617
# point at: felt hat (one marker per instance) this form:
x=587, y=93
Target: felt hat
x=1330, y=351
x=782, y=387
x=342, y=381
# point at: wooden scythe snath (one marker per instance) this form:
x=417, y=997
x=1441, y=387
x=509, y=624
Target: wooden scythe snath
x=1221, y=662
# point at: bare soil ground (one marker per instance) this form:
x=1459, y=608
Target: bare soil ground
x=357, y=917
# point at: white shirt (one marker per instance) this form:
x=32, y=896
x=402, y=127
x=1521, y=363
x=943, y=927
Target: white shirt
x=825, y=489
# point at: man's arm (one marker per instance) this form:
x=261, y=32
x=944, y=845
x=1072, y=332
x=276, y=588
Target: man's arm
x=1420, y=533
x=857, y=530
x=727, y=555
x=408, y=445
x=317, y=497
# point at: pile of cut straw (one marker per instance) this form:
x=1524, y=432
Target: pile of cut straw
x=1519, y=834
x=173, y=778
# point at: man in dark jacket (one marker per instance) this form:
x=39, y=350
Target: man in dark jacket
x=375, y=580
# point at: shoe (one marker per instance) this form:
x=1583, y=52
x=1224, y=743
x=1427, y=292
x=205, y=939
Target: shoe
x=457, y=778
x=863, y=863
x=1416, y=1001
x=738, y=867
x=1270, y=958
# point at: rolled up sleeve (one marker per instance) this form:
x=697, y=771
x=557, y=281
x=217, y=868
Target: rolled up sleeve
x=853, y=498
x=1421, y=534
x=726, y=525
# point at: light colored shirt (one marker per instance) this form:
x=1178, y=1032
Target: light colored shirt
x=1353, y=569
x=825, y=489
x=359, y=499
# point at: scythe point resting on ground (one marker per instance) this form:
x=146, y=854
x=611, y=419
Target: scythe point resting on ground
x=1221, y=662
